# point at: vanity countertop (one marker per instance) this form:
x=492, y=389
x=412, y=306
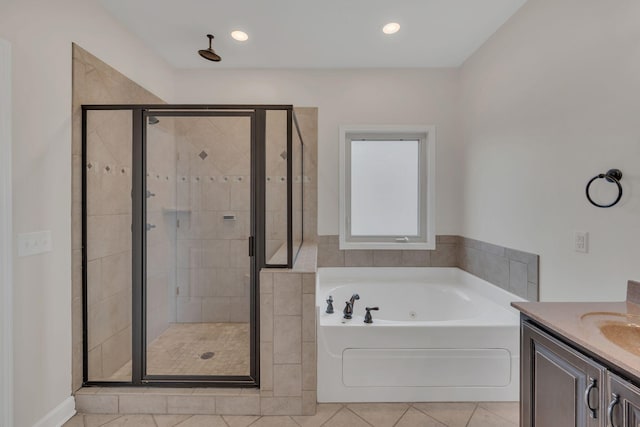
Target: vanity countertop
x=583, y=323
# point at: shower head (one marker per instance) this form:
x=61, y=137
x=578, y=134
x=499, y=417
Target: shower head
x=209, y=53
x=153, y=120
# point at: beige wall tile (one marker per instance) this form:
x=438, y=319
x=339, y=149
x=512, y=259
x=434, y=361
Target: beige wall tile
x=309, y=283
x=116, y=351
x=287, y=380
x=215, y=309
x=143, y=404
x=357, y=258
x=287, y=294
x=281, y=405
x=189, y=309
x=266, y=282
x=239, y=309
x=191, y=404
x=445, y=255
x=416, y=258
x=266, y=366
x=266, y=317
x=329, y=255
x=308, y=317
x=309, y=402
x=309, y=366
x=287, y=339
x=387, y=258
x=238, y=405
x=96, y=404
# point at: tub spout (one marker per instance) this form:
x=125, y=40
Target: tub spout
x=348, y=309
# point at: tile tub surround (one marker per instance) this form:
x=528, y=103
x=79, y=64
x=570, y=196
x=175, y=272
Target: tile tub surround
x=288, y=337
x=482, y=414
x=509, y=269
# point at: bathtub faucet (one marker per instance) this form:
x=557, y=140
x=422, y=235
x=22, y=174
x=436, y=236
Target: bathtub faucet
x=348, y=309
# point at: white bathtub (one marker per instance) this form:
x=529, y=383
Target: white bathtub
x=441, y=335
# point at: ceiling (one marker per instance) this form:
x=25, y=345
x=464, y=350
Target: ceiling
x=314, y=34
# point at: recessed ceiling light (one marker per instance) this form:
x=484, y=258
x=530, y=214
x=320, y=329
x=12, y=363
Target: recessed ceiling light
x=391, y=28
x=241, y=36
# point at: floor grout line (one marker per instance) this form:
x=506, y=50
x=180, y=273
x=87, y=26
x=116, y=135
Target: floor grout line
x=332, y=416
x=472, y=414
x=403, y=414
x=356, y=414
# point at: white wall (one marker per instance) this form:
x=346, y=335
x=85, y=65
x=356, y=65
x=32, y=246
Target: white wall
x=41, y=33
x=349, y=96
x=6, y=288
x=551, y=100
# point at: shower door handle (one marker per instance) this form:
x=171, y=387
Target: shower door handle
x=251, y=250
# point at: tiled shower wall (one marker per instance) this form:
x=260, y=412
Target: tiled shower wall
x=510, y=269
x=213, y=182
x=94, y=82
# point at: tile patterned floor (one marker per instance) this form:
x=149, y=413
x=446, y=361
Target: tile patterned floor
x=455, y=414
x=179, y=349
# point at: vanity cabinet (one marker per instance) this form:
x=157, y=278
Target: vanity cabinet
x=559, y=386
x=623, y=407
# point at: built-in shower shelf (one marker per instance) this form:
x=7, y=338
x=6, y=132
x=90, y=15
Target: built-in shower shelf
x=176, y=209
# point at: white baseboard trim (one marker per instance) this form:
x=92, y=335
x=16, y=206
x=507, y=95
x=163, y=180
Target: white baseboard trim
x=59, y=415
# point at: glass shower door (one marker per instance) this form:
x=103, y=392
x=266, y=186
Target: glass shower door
x=198, y=290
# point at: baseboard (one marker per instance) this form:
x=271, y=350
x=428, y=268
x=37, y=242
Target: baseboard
x=59, y=415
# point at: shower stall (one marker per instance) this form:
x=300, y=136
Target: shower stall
x=182, y=206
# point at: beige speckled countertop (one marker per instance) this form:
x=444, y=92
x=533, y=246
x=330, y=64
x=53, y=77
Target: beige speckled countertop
x=578, y=322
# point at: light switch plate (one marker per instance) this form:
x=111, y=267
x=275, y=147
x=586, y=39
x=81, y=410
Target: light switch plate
x=581, y=241
x=34, y=243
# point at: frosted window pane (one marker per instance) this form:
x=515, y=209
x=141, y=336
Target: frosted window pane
x=384, y=188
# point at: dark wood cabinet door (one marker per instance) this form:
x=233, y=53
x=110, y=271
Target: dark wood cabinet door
x=559, y=386
x=623, y=406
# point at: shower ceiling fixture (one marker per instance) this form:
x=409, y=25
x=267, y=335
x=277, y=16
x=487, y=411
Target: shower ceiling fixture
x=209, y=53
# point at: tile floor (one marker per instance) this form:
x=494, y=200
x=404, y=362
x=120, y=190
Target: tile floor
x=179, y=350
x=455, y=414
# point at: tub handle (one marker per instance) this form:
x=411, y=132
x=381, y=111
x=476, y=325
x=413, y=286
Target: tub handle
x=367, y=317
x=593, y=384
x=330, y=305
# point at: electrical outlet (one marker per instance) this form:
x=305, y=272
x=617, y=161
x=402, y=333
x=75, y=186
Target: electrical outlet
x=581, y=241
x=34, y=243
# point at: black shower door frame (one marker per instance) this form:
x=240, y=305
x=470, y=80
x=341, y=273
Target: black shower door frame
x=255, y=246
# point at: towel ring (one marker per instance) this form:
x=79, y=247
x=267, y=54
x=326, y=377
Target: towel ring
x=612, y=175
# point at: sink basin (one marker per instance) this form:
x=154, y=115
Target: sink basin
x=622, y=329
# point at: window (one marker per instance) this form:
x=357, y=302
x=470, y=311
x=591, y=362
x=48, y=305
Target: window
x=387, y=187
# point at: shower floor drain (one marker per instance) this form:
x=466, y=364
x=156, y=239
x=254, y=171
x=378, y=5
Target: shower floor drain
x=207, y=355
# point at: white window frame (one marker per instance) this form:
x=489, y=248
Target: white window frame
x=426, y=134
